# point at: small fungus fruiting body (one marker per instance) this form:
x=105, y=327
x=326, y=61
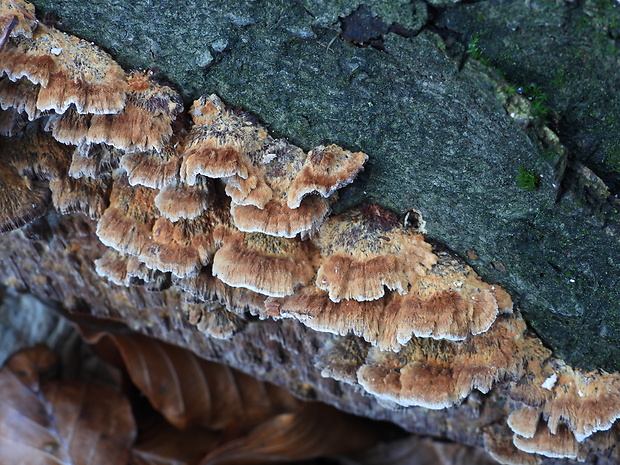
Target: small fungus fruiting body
x=240, y=222
x=366, y=251
x=269, y=265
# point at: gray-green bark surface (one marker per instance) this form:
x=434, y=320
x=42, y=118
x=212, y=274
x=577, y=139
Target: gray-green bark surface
x=432, y=122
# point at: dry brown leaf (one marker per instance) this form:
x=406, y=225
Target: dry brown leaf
x=162, y=444
x=64, y=422
x=259, y=422
x=190, y=391
x=296, y=436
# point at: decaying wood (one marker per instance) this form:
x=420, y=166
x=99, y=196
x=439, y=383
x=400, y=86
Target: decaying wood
x=53, y=258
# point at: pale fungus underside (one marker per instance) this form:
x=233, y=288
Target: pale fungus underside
x=240, y=222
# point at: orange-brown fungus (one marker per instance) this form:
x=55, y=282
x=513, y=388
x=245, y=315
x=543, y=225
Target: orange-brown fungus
x=313, y=307
x=562, y=444
x=28, y=158
x=152, y=169
x=178, y=200
x=259, y=201
x=265, y=264
x=69, y=71
x=94, y=160
x=85, y=195
x=36, y=154
x=438, y=374
x=21, y=200
x=16, y=19
x=128, y=222
x=449, y=302
x=444, y=299
x=20, y=95
x=128, y=270
x=219, y=141
x=133, y=225
x=498, y=443
x=277, y=219
x=205, y=287
x=325, y=170
x=144, y=123
x=563, y=407
x=365, y=251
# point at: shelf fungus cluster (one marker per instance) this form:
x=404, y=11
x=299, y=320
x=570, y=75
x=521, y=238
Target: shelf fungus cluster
x=240, y=222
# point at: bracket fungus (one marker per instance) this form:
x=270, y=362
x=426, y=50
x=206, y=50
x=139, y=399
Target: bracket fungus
x=236, y=221
x=381, y=282
x=269, y=265
x=270, y=182
x=16, y=19
x=365, y=251
x=437, y=374
x=177, y=200
x=68, y=72
x=93, y=160
x=219, y=141
x=30, y=160
x=142, y=122
x=561, y=407
x=21, y=96
x=128, y=270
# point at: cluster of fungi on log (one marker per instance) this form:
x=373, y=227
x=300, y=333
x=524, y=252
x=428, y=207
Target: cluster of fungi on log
x=241, y=221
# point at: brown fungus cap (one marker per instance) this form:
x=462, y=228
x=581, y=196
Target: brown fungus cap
x=181, y=248
x=127, y=223
x=584, y=402
x=127, y=270
x=178, y=200
x=28, y=158
x=449, y=302
x=325, y=170
x=524, y=421
x=113, y=266
x=133, y=225
x=498, y=443
x=69, y=71
x=219, y=141
x=365, y=251
x=438, y=374
x=93, y=160
x=144, y=123
x=153, y=168
x=259, y=202
x=16, y=19
x=314, y=308
x=249, y=191
x=21, y=200
x=36, y=155
x=269, y=265
x=274, y=165
x=562, y=444
x=205, y=287
x=21, y=95
x=276, y=219
x=85, y=195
